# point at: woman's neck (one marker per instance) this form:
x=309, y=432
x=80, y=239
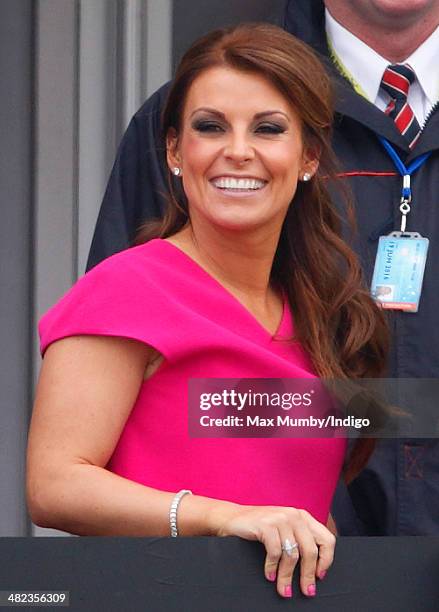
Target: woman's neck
x=241, y=263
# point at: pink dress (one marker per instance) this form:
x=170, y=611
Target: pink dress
x=156, y=294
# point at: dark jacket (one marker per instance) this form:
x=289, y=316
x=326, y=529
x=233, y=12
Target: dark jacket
x=398, y=492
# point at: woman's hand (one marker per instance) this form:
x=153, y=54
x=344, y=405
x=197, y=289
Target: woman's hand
x=273, y=526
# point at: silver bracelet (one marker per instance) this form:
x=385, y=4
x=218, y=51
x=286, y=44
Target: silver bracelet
x=173, y=511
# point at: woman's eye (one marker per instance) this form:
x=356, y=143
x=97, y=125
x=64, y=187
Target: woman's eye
x=270, y=128
x=208, y=126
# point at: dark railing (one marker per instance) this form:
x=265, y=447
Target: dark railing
x=217, y=575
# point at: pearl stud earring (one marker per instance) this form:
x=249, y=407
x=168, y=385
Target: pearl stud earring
x=176, y=171
x=306, y=177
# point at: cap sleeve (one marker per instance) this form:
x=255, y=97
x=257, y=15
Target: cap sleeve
x=119, y=297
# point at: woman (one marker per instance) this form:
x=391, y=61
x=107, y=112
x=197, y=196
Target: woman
x=250, y=239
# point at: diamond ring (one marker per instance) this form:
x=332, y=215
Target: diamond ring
x=288, y=547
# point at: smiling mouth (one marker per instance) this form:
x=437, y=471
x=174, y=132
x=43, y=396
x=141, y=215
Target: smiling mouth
x=236, y=185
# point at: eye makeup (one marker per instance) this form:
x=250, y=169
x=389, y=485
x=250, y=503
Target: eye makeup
x=212, y=124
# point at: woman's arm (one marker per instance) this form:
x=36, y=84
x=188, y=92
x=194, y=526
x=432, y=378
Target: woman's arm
x=88, y=386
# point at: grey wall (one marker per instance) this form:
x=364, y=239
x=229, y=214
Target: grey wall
x=72, y=74
x=16, y=40
x=193, y=18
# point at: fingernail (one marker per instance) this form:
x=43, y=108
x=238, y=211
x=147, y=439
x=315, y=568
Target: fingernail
x=322, y=574
x=288, y=591
x=272, y=577
x=311, y=590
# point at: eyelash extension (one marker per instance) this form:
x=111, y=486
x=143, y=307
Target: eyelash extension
x=270, y=128
x=207, y=126
x=212, y=126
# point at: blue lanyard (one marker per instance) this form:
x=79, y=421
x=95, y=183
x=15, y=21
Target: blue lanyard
x=405, y=172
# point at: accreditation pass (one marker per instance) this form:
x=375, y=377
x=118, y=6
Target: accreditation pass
x=399, y=271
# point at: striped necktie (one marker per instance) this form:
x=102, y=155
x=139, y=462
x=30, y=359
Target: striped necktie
x=396, y=81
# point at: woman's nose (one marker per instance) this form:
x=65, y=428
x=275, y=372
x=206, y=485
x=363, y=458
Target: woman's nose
x=239, y=149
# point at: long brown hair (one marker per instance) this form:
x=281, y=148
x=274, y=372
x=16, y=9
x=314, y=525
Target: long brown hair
x=336, y=320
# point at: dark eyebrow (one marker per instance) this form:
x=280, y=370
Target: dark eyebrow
x=271, y=112
x=217, y=113
x=211, y=111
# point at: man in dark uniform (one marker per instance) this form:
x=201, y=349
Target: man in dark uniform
x=398, y=492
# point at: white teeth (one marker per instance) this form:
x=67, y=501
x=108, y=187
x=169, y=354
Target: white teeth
x=225, y=182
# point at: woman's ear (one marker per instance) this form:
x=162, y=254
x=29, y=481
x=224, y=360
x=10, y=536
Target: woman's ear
x=310, y=163
x=172, y=153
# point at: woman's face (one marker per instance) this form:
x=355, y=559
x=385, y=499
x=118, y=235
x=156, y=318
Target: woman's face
x=240, y=150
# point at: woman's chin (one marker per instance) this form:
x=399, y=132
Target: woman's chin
x=238, y=215
x=242, y=223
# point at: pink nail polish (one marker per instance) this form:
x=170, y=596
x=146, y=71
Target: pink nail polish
x=322, y=574
x=288, y=591
x=272, y=577
x=311, y=590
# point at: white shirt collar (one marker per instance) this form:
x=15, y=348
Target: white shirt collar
x=367, y=67
x=360, y=61
x=424, y=62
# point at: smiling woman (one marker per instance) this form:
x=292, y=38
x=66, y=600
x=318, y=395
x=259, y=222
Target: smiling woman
x=240, y=163
x=246, y=277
